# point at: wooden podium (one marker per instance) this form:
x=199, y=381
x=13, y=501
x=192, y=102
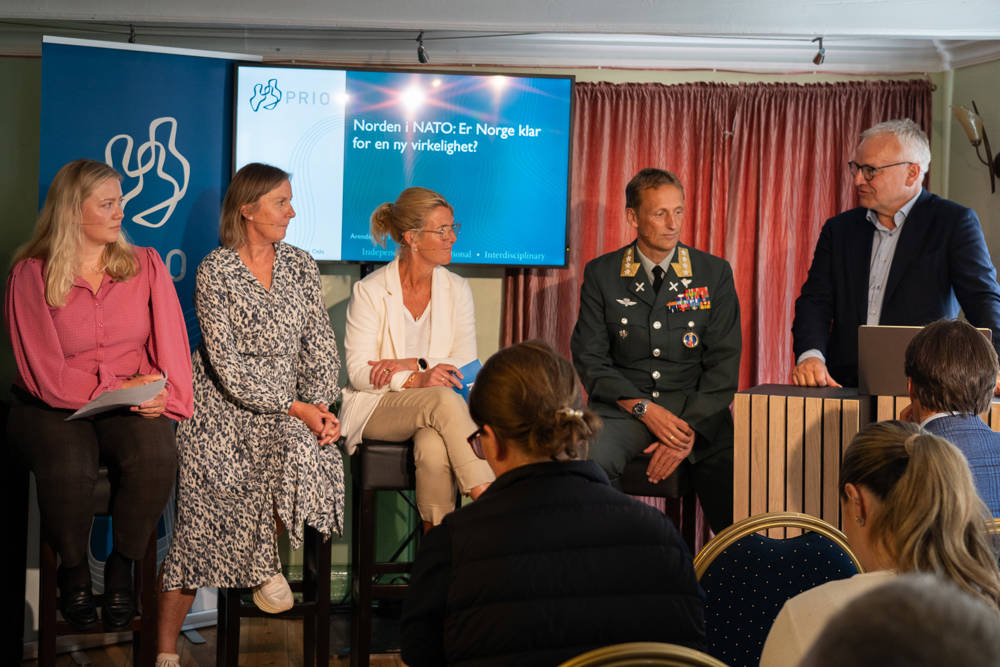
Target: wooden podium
x=789, y=442
x=788, y=445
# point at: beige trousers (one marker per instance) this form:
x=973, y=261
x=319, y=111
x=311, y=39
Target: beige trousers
x=438, y=420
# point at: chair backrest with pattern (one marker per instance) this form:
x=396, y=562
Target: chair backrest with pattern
x=747, y=577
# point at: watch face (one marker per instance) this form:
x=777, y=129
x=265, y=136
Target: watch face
x=639, y=409
x=422, y=363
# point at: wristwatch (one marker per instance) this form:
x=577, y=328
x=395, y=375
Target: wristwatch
x=639, y=409
x=422, y=364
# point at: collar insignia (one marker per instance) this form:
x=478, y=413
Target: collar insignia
x=682, y=267
x=630, y=267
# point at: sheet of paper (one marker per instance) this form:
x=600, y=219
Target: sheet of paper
x=120, y=398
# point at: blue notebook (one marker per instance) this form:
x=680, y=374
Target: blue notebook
x=469, y=373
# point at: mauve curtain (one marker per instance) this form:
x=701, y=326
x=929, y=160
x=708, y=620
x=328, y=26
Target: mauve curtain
x=763, y=166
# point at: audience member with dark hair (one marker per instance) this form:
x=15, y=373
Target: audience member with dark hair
x=909, y=505
x=918, y=620
x=952, y=371
x=551, y=561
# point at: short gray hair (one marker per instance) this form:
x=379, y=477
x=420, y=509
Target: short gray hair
x=915, y=620
x=910, y=136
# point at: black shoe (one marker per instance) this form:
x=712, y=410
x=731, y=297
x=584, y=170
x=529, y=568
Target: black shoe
x=118, y=610
x=78, y=608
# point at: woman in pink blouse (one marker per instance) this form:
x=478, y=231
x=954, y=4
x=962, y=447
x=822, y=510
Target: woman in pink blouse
x=88, y=313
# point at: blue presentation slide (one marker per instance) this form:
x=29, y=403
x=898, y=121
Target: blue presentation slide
x=496, y=147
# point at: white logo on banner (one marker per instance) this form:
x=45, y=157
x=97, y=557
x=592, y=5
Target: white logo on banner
x=148, y=155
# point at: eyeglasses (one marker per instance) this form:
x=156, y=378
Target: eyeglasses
x=475, y=441
x=869, y=171
x=444, y=230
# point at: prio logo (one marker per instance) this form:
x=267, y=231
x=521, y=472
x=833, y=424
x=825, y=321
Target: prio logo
x=265, y=96
x=169, y=173
x=268, y=96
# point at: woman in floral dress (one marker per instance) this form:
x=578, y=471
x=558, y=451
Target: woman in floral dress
x=257, y=454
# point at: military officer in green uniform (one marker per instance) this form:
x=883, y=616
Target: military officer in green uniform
x=657, y=345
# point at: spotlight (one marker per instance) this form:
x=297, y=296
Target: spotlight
x=421, y=51
x=820, y=54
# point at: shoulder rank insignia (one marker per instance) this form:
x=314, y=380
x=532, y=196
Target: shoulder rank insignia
x=630, y=267
x=682, y=267
x=626, y=302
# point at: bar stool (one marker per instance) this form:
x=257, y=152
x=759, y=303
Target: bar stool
x=313, y=609
x=377, y=465
x=675, y=487
x=143, y=626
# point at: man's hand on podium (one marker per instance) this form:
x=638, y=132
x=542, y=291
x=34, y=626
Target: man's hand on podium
x=812, y=373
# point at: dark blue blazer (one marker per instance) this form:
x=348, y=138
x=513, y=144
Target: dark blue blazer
x=941, y=263
x=981, y=447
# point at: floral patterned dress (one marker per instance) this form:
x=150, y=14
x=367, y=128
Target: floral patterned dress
x=241, y=456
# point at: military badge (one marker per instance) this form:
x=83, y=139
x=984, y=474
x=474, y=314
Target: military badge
x=682, y=267
x=630, y=267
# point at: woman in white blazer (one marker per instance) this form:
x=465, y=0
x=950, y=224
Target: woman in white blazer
x=410, y=326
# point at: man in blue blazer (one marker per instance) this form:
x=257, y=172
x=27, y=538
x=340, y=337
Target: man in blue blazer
x=904, y=257
x=951, y=370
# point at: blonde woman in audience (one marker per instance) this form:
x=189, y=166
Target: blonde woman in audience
x=410, y=327
x=909, y=505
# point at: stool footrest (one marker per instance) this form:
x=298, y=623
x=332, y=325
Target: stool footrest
x=390, y=567
x=389, y=590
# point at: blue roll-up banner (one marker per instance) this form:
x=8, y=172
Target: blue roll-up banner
x=162, y=117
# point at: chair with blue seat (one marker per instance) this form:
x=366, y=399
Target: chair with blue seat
x=747, y=577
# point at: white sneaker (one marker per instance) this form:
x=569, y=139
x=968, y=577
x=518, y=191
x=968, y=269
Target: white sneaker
x=168, y=660
x=274, y=595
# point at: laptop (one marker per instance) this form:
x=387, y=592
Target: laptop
x=882, y=358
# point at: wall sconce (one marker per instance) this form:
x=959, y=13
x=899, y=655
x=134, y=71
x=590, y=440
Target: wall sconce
x=972, y=123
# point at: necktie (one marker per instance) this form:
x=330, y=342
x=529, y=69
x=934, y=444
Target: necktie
x=658, y=274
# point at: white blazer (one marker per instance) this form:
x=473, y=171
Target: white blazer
x=376, y=330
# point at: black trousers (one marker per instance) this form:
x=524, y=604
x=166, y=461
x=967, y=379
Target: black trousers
x=141, y=454
x=623, y=439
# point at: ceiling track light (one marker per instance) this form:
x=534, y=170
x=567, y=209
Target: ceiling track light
x=421, y=51
x=820, y=53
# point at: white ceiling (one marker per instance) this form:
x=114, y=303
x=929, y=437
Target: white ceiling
x=862, y=36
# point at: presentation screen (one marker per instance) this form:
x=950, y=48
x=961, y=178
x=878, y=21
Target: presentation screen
x=495, y=146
